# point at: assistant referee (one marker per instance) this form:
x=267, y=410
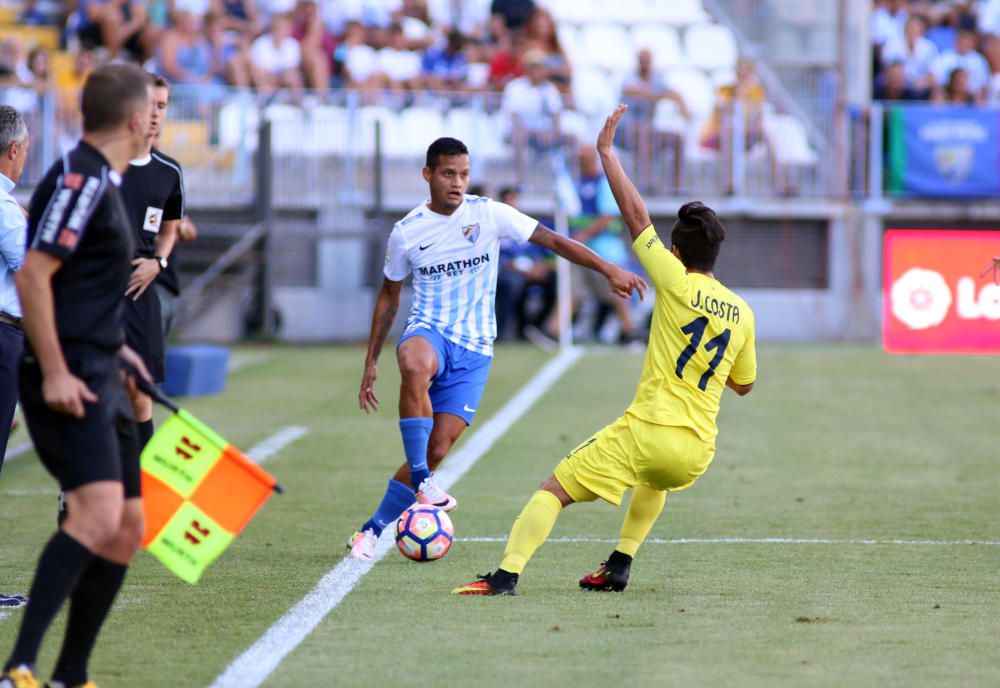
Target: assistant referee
x=71, y=289
x=153, y=192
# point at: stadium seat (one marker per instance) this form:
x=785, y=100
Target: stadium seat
x=288, y=124
x=662, y=40
x=724, y=76
x=695, y=88
x=238, y=122
x=575, y=11
x=418, y=127
x=710, y=46
x=478, y=130
x=594, y=91
x=329, y=131
x=667, y=118
x=187, y=141
x=606, y=45
x=577, y=125
x=677, y=12
x=364, y=139
x=31, y=36
x=788, y=140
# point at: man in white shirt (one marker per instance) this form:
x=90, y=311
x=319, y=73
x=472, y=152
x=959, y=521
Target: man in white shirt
x=533, y=104
x=400, y=66
x=276, y=58
x=451, y=245
x=917, y=53
x=14, y=142
x=966, y=57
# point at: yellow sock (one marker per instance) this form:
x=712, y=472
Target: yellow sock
x=530, y=530
x=643, y=510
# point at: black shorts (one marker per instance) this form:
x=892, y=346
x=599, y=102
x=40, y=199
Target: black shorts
x=144, y=330
x=103, y=445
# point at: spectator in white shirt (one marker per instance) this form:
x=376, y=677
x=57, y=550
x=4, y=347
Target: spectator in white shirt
x=992, y=51
x=400, y=67
x=276, y=59
x=965, y=56
x=916, y=52
x=533, y=104
x=989, y=17
x=356, y=60
x=888, y=21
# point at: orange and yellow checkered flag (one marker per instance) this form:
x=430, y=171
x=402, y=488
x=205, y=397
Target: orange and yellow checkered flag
x=199, y=492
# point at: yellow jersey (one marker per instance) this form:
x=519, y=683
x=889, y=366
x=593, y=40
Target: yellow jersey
x=702, y=334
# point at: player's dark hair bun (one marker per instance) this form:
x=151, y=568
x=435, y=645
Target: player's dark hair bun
x=698, y=234
x=698, y=215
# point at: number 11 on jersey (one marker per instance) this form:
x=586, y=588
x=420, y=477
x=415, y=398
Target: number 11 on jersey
x=696, y=330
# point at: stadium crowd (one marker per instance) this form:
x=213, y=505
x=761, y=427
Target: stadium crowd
x=945, y=51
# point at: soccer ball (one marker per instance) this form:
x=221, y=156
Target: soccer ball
x=424, y=533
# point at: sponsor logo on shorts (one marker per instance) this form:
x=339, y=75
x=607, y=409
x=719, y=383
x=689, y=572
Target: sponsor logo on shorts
x=467, y=409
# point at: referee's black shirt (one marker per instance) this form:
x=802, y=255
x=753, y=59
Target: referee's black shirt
x=153, y=191
x=77, y=215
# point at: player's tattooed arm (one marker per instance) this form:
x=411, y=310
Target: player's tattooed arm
x=630, y=202
x=386, y=307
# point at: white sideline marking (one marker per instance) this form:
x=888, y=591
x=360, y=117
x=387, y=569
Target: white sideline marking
x=18, y=450
x=256, y=663
x=267, y=448
x=754, y=541
x=30, y=492
x=239, y=361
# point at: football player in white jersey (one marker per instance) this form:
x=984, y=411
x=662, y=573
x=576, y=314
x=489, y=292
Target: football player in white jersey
x=450, y=244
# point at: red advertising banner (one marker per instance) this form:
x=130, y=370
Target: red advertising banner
x=934, y=300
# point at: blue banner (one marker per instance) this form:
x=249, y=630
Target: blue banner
x=944, y=151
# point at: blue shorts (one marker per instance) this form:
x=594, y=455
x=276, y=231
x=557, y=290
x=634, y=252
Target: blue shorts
x=461, y=376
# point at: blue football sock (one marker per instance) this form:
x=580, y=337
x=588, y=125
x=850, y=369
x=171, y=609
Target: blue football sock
x=397, y=498
x=416, y=433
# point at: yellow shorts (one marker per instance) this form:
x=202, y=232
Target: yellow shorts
x=632, y=452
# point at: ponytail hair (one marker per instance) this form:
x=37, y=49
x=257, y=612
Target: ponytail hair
x=698, y=234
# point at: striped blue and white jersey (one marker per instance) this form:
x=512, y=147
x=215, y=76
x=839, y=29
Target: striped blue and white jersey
x=455, y=260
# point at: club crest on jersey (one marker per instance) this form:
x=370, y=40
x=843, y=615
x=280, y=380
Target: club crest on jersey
x=471, y=232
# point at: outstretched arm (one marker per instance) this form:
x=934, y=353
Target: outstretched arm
x=386, y=306
x=622, y=282
x=629, y=201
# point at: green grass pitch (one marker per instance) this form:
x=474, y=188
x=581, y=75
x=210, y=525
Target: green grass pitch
x=839, y=443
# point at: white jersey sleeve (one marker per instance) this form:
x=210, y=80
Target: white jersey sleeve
x=512, y=223
x=397, y=264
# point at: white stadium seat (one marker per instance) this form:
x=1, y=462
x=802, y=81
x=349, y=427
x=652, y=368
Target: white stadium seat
x=329, y=131
x=695, y=88
x=788, y=140
x=710, y=46
x=667, y=118
x=594, y=91
x=418, y=127
x=364, y=141
x=677, y=12
x=238, y=122
x=288, y=123
x=606, y=45
x=662, y=40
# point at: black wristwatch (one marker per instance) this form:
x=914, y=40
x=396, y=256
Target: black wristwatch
x=162, y=261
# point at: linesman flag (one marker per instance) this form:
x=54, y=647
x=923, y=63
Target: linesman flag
x=198, y=493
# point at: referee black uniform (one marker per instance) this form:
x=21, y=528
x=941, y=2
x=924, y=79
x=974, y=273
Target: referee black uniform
x=153, y=192
x=78, y=216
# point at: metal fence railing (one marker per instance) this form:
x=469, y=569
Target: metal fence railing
x=348, y=148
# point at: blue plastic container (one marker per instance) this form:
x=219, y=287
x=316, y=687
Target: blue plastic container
x=196, y=370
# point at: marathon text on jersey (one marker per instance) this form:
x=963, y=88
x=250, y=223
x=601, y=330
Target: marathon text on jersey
x=716, y=307
x=455, y=267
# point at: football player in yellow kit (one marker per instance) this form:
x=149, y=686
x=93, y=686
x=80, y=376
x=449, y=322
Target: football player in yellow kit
x=702, y=340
